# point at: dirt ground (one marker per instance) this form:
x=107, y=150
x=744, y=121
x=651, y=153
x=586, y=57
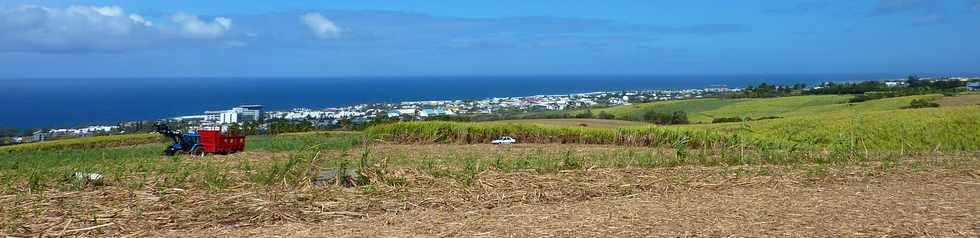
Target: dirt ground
x=916, y=197
x=969, y=99
x=892, y=206
x=677, y=202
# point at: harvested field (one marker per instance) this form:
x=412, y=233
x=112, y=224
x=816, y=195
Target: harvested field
x=423, y=192
x=967, y=99
x=573, y=187
x=889, y=206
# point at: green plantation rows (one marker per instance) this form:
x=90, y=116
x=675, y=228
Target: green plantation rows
x=85, y=142
x=830, y=133
x=472, y=133
x=47, y=166
x=705, y=110
x=933, y=129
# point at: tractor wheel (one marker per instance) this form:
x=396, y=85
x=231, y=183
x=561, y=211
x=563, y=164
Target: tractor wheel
x=199, y=152
x=169, y=151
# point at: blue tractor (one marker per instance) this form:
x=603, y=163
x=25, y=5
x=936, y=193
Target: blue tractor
x=182, y=143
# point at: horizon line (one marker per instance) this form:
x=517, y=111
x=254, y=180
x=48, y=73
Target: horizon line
x=489, y=75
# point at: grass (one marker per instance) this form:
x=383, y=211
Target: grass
x=300, y=141
x=931, y=129
x=695, y=108
x=705, y=110
x=872, y=125
x=470, y=133
x=827, y=122
x=832, y=133
x=84, y=142
x=445, y=165
x=139, y=165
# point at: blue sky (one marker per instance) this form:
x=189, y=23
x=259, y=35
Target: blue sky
x=249, y=38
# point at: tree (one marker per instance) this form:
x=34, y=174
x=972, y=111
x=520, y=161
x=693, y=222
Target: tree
x=586, y=114
x=606, y=115
x=346, y=124
x=679, y=117
x=913, y=81
x=288, y=127
x=921, y=103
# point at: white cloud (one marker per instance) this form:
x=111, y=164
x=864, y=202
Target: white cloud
x=193, y=27
x=322, y=27
x=140, y=19
x=79, y=28
x=113, y=11
x=37, y=28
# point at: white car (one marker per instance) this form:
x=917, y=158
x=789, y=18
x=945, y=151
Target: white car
x=505, y=140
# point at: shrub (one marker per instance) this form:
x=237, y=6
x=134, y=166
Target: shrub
x=584, y=115
x=85, y=142
x=678, y=117
x=606, y=115
x=727, y=120
x=922, y=103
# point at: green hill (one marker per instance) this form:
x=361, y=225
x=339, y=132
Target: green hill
x=85, y=142
x=705, y=110
x=939, y=129
x=817, y=122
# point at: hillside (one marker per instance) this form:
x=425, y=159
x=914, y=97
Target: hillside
x=941, y=129
x=861, y=165
x=705, y=110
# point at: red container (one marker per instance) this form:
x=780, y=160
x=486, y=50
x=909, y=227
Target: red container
x=216, y=143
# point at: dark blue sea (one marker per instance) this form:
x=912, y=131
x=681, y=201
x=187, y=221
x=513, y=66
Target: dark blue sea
x=47, y=103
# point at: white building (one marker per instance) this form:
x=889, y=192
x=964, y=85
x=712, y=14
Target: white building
x=245, y=113
x=891, y=84
x=191, y=118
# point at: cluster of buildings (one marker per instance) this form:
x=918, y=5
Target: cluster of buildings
x=239, y=114
x=973, y=83
x=415, y=110
x=42, y=135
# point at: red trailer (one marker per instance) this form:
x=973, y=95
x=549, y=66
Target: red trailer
x=216, y=143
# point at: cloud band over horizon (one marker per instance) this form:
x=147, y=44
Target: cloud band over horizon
x=786, y=37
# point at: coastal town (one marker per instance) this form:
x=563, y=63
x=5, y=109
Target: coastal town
x=417, y=110
x=408, y=110
x=334, y=117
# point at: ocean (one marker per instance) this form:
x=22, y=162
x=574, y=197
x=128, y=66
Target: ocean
x=56, y=103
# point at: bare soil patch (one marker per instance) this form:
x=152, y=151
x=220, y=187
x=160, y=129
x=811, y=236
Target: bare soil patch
x=900, y=206
x=972, y=99
x=930, y=199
